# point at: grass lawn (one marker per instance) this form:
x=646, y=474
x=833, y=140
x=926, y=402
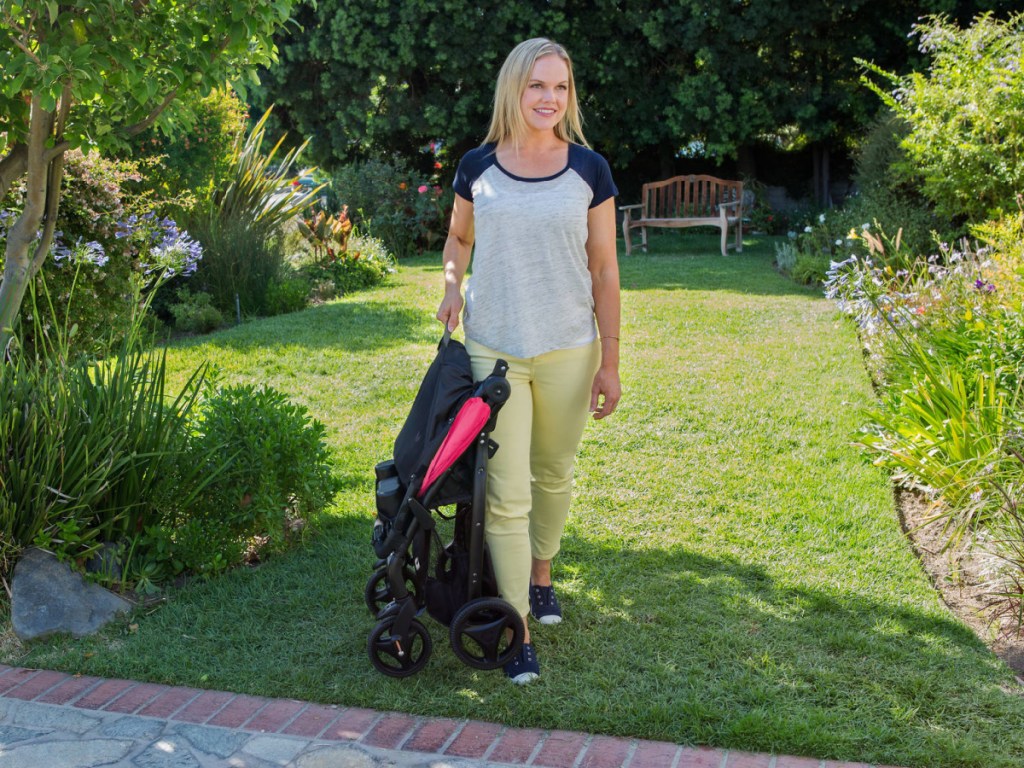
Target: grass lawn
x=733, y=573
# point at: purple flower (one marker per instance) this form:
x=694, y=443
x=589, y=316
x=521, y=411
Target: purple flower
x=95, y=253
x=60, y=251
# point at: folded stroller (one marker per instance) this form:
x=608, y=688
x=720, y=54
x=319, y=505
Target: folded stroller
x=439, y=472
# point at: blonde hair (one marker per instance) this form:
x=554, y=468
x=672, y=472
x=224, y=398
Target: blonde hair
x=507, y=121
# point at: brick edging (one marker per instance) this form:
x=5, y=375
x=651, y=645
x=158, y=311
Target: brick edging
x=469, y=739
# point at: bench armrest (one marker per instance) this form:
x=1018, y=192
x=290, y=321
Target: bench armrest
x=723, y=209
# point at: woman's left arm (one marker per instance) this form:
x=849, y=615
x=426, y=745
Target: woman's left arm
x=603, y=263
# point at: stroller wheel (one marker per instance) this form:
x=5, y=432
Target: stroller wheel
x=397, y=657
x=487, y=633
x=378, y=592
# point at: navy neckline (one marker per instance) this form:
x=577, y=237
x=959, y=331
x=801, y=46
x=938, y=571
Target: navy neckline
x=529, y=179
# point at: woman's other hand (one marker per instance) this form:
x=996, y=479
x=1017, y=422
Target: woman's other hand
x=605, y=392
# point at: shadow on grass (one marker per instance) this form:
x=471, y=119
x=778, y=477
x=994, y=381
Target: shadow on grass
x=353, y=326
x=716, y=651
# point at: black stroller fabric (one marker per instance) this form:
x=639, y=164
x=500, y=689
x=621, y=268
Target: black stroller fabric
x=447, y=588
x=447, y=384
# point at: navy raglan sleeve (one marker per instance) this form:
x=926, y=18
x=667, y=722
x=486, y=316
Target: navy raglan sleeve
x=470, y=167
x=601, y=181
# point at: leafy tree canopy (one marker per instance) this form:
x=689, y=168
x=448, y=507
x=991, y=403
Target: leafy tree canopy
x=377, y=77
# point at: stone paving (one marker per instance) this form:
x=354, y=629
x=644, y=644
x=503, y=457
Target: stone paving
x=54, y=720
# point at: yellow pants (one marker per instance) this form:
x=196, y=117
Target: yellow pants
x=529, y=479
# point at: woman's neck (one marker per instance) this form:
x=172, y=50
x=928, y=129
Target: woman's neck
x=541, y=156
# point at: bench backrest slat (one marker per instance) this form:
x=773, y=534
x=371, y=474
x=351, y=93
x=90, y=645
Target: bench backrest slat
x=688, y=197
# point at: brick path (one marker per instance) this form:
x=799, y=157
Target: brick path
x=395, y=739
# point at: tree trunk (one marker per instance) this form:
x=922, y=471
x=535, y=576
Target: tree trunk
x=822, y=179
x=45, y=170
x=746, y=162
x=12, y=289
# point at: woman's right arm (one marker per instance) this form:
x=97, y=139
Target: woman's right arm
x=457, y=251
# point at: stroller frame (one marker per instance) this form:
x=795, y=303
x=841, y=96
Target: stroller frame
x=485, y=631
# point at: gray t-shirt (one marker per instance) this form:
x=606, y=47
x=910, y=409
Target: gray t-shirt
x=530, y=290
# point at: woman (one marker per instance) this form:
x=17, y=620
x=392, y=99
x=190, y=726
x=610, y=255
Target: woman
x=535, y=208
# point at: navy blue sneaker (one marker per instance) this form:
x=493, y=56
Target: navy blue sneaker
x=544, y=605
x=524, y=667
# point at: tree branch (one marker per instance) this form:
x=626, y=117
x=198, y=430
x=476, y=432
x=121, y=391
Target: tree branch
x=63, y=110
x=40, y=131
x=25, y=49
x=57, y=149
x=12, y=167
x=142, y=125
x=54, y=176
x=24, y=34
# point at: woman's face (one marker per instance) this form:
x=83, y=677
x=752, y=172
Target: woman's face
x=547, y=93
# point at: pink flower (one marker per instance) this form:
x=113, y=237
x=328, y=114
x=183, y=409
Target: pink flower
x=422, y=188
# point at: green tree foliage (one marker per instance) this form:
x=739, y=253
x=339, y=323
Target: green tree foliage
x=91, y=75
x=966, y=115
x=378, y=77
x=188, y=164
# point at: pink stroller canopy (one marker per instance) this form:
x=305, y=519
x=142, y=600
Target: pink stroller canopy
x=468, y=422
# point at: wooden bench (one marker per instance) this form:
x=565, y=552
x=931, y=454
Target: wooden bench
x=687, y=201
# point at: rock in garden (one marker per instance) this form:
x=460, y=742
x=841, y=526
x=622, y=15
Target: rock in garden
x=47, y=597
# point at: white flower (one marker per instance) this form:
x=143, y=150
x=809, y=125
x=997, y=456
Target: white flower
x=821, y=219
x=839, y=242
x=865, y=227
x=791, y=234
x=808, y=228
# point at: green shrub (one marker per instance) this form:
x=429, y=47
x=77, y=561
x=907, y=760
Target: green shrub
x=87, y=261
x=943, y=433
x=408, y=212
x=966, y=117
x=288, y=295
x=810, y=268
x=890, y=196
x=194, y=313
x=277, y=480
x=96, y=454
x=366, y=263
x=189, y=165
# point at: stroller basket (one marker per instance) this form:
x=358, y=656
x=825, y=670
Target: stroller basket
x=440, y=461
